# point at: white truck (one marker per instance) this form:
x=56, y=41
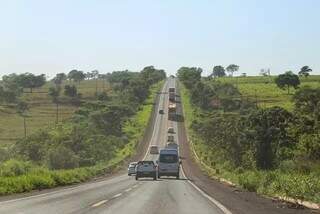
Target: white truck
x=169, y=163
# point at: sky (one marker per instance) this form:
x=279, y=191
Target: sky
x=42, y=36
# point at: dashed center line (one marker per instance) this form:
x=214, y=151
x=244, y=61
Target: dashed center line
x=99, y=203
x=117, y=195
x=134, y=186
x=128, y=190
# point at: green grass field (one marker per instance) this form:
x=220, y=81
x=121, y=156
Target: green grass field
x=42, y=112
x=265, y=91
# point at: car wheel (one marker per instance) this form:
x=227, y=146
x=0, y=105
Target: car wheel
x=178, y=176
x=158, y=175
x=155, y=178
x=129, y=174
x=137, y=177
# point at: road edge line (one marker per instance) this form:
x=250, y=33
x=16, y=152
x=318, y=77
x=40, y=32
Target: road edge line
x=211, y=199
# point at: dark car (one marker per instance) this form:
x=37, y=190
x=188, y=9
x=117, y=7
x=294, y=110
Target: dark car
x=161, y=111
x=146, y=169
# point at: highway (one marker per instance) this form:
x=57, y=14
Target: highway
x=123, y=194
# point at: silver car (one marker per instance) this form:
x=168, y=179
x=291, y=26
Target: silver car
x=132, y=168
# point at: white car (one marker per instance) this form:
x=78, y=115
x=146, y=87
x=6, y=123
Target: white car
x=170, y=130
x=146, y=169
x=132, y=168
x=154, y=150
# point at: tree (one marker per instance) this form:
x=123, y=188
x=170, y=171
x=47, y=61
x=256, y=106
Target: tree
x=218, y=71
x=95, y=75
x=22, y=108
x=268, y=135
x=189, y=76
x=59, y=78
x=76, y=76
x=307, y=102
x=152, y=75
x=232, y=68
x=7, y=96
x=287, y=80
x=54, y=93
x=70, y=91
x=28, y=80
x=10, y=83
x=304, y=71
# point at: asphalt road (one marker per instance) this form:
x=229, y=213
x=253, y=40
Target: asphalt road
x=123, y=194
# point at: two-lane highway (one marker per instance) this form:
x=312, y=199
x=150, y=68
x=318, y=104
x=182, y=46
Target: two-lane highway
x=123, y=194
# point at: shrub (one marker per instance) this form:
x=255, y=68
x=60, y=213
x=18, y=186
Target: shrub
x=62, y=158
x=250, y=180
x=14, y=167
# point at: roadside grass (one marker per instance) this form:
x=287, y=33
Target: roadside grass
x=29, y=177
x=265, y=92
x=42, y=112
x=284, y=182
x=136, y=126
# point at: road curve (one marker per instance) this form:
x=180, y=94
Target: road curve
x=123, y=194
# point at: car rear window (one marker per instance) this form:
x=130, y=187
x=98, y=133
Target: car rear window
x=168, y=158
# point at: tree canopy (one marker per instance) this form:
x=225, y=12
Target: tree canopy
x=218, y=71
x=232, y=68
x=305, y=71
x=287, y=80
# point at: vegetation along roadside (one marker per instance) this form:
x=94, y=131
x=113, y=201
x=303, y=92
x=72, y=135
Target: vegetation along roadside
x=101, y=134
x=270, y=150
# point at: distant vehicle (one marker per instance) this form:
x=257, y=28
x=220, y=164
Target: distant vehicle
x=172, y=90
x=168, y=163
x=154, y=150
x=161, y=111
x=146, y=169
x=172, y=96
x=132, y=168
x=172, y=76
x=170, y=130
x=172, y=145
x=170, y=138
x=172, y=109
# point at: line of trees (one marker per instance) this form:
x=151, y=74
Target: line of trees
x=95, y=133
x=250, y=137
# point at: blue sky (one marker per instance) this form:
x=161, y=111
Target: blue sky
x=48, y=37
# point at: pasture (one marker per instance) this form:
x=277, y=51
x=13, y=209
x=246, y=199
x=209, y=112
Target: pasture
x=42, y=111
x=265, y=91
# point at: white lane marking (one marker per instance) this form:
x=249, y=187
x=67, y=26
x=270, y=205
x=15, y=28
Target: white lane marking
x=135, y=186
x=67, y=189
x=128, y=190
x=156, y=121
x=117, y=195
x=99, y=203
x=214, y=201
x=211, y=199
